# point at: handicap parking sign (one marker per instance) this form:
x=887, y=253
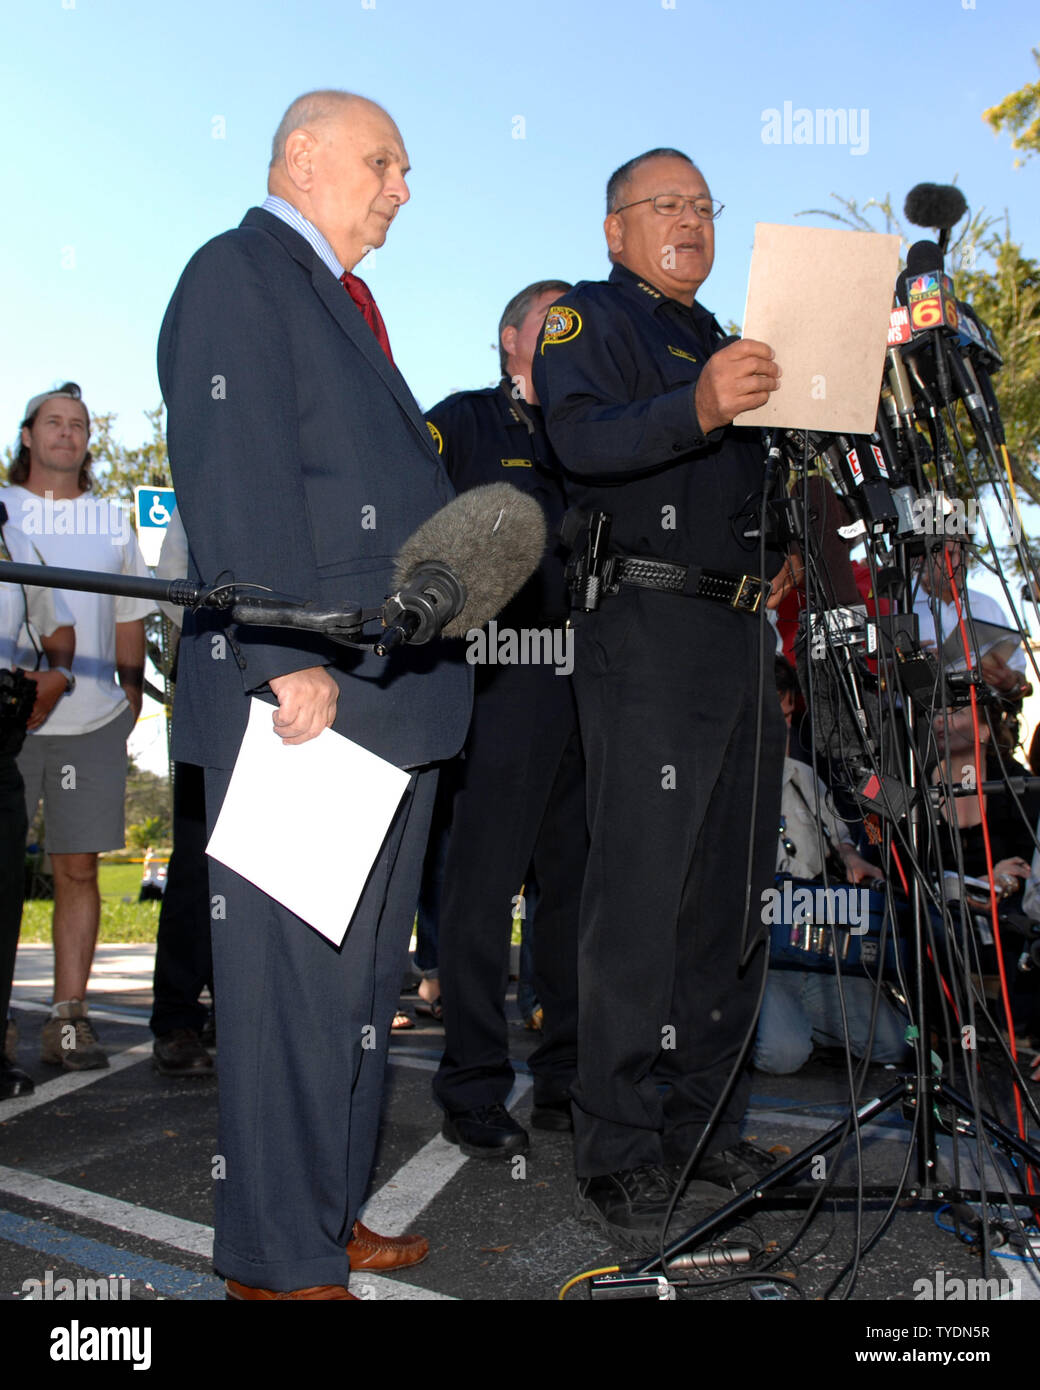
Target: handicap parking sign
x=154, y=507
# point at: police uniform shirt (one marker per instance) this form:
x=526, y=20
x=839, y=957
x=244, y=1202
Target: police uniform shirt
x=616, y=367
x=489, y=437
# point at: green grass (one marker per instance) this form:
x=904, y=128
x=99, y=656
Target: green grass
x=120, y=881
x=120, y=921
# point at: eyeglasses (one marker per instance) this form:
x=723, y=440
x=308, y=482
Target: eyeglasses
x=672, y=204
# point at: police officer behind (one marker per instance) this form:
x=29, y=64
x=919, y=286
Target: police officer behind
x=520, y=797
x=639, y=393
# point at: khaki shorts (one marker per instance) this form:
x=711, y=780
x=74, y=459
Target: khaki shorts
x=82, y=779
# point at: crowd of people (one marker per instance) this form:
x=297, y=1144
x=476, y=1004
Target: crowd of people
x=653, y=788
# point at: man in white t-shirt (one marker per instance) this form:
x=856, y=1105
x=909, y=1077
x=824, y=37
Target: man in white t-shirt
x=77, y=759
x=942, y=574
x=41, y=617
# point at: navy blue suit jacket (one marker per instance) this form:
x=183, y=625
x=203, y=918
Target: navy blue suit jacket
x=301, y=462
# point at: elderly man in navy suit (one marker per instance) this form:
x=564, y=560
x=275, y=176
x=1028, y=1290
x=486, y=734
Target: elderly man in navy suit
x=301, y=462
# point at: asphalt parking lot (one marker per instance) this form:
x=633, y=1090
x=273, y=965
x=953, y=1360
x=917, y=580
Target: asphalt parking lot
x=108, y=1175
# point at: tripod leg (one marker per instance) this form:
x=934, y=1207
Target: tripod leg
x=833, y=1136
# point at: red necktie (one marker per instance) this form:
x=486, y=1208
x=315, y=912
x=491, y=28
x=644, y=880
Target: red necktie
x=362, y=297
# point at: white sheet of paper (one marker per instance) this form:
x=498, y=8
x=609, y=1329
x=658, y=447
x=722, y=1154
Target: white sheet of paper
x=305, y=822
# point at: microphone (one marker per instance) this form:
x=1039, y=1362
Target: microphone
x=932, y=305
x=983, y=358
x=463, y=565
x=929, y=291
x=936, y=205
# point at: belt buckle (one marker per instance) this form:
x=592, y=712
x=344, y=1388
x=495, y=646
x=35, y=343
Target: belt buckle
x=749, y=594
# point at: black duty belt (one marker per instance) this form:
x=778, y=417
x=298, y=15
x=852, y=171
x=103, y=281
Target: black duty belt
x=744, y=592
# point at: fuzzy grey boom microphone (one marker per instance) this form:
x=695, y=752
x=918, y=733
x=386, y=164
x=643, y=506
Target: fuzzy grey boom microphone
x=464, y=564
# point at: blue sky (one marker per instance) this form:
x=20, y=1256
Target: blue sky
x=514, y=115
x=114, y=176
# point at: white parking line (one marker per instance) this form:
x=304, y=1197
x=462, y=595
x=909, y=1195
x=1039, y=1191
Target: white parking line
x=69, y=1081
x=394, y=1208
x=391, y=1210
x=109, y=1211
x=189, y=1236
x=106, y=1015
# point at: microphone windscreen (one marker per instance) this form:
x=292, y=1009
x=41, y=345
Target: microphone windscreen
x=923, y=256
x=491, y=537
x=937, y=205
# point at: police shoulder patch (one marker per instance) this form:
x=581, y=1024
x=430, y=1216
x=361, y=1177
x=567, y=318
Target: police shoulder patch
x=562, y=324
x=436, y=435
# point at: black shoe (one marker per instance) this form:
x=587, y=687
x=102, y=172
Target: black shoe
x=554, y=1113
x=487, y=1132
x=13, y=1081
x=181, y=1053
x=737, y=1168
x=630, y=1205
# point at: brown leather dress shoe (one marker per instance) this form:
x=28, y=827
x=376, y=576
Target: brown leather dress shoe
x=328, y=1291
x=369, y=1251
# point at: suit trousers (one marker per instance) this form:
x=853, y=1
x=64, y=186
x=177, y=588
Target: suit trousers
x=520, y=800
x=304, y=1032
x=668, y=690
x=183, y=955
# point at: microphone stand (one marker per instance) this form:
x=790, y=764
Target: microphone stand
x=240, y=603
x=921, y=1092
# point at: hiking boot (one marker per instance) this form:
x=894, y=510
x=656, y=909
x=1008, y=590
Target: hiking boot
x=69, y=1041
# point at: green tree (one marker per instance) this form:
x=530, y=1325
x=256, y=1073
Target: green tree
x=1003, y=287
x=149, y=833
x=1019, y=114
x=148, y=802
x=118, y=470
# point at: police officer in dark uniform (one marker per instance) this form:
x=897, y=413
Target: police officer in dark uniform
x=520, y=795
x=639, y=392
